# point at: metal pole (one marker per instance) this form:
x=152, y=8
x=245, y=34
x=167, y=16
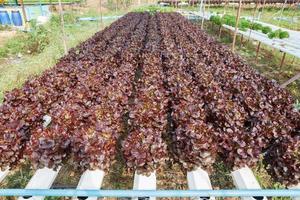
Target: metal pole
x=236, y=24
x=150, y=193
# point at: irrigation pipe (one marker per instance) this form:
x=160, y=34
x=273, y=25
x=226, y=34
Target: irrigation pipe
x=150, y=193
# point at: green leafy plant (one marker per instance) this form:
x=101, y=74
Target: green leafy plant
x=244, y=24
x=216, y=19
x=37, y=38
x=266, y=29
x=229, y=20
x=31, y=42
x=256, y=26
x=272, y=35
x=278, y=34
x=283, y=34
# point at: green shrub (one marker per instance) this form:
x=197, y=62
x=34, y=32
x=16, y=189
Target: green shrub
x=229, y=20
x=244, y=24
x=216, y=19
x=31, y=42
x=37, y=39
x=256, y=26
x=3, y=52
x=266, y=29
x=278, y=34
x=13, y=45
x=272, y=35
x=283, y=34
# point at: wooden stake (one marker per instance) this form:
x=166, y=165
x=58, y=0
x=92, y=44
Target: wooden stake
x=24, y=13
x=282, y=60
x=236, y=24
x=220, y=31
x=242, y=37
x=62, y=23
x=294, y=78
x=257, y=50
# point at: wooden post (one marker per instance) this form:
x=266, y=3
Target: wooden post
x=257, y=50
x=220, y=31
x=236, y=24
x=24, y=13
x=242, y=37
x=62, y=23
x=294, y=78
x=225, y=6
x=282, y=60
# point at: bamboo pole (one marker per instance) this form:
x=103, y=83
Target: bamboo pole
x=236, y=24
x=203, y=13
x=62, y=24
x=262, y=8
x=225, y=6
x=252, y=20
x=201, y=6
x=281, y=11
x=294, y=78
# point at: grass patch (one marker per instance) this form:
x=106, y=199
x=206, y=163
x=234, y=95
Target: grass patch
x=19, y=177
x=26, y=43
x=15, y=71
